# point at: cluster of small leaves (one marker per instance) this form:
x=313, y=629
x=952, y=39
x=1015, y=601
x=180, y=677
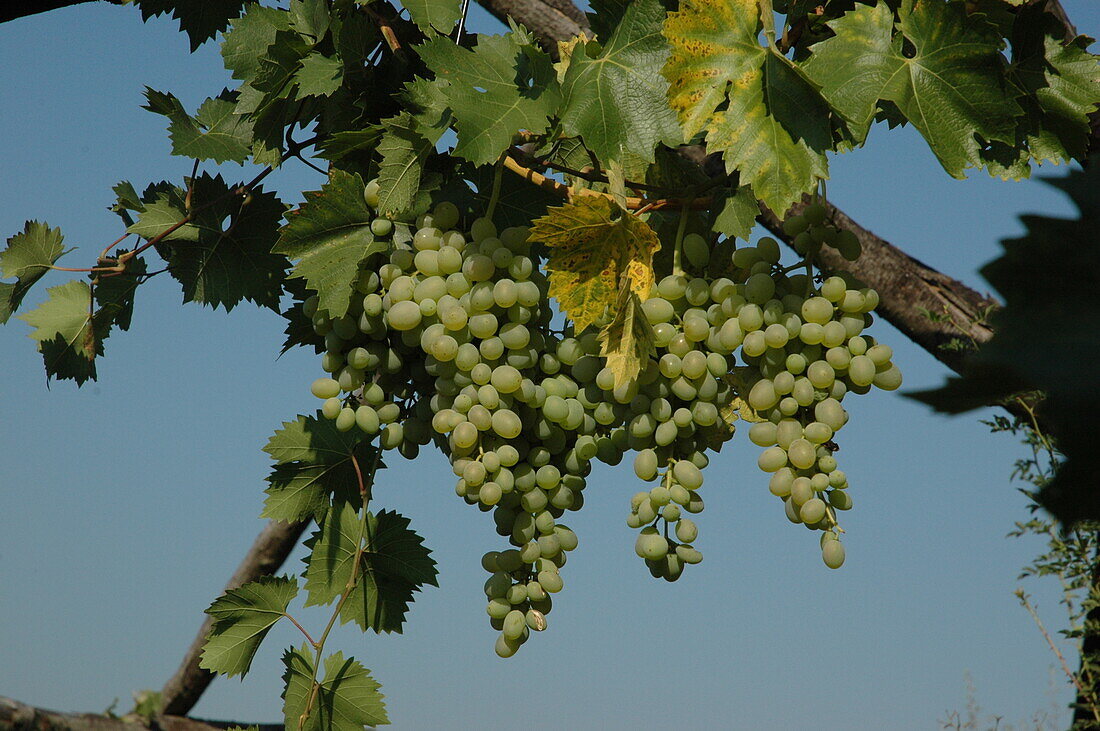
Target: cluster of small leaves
x=369, y=565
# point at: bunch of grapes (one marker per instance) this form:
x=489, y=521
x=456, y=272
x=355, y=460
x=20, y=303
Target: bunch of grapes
x=449, y=340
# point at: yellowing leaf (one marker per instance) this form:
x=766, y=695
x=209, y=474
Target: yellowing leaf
x=592, y=245
x=565, y=52
x=738, y=407
x=628, y=341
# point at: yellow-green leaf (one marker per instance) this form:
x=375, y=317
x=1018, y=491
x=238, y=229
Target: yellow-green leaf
x=628, y=341
x=738, y=407
x=757, y=108
x=592, y=245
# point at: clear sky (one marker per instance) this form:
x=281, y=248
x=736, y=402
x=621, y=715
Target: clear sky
x=125, y=505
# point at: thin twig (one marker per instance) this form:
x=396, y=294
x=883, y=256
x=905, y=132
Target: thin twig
x=1058, y=653
x=564, y=191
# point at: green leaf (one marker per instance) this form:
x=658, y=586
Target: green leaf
x=314, y=440
x=853, y=68
x=519, y=202
x=246, y=43
x=392, y=567
x=616, y=101
x=437, y=15
x=301, y=490
x=347, y=700
x=114, y=295
x=342, y=144
x=330, y=236
x=627, y=342
x=756, y=107
x=319, y=75
x=214, y=133
x=502, y=86
x=28, y=256
x=428, y=103
x=310, y=18
x=201, y=21
x=313, y=467
x=242, y=618
x=69, y=337
x=735, y=212
x=219, y=265
x=952, y=87
x=1062, y=83
x=593, y=244
x=404, y=150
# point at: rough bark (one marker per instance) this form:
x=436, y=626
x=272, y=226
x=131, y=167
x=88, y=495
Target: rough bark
x=16, y=716
x=549, y=20
x=268, y=552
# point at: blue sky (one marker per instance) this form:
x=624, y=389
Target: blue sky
x=128, y=503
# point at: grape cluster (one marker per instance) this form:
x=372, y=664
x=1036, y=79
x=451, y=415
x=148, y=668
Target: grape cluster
x=449, y=340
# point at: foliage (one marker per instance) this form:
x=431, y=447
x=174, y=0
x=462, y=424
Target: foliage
x=418, y=126
x=1043, y=277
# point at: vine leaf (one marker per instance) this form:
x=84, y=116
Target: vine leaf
x=1059, y=87
x=592, y=245
x=330, y=236
x=219, y=265
x=310, y=18
x=320, y=75
x=434, y=15
x=28, y=256
x=114, y=295
x=853, y=67
x=738, y=407
x=214, y=133
x=519, y=202
x=313, y=464
x=201, y=21
x=616, y=101
x=736, y=216
x=393, y=566
x=1049, y=279
x=500, y=87
x=247, y=41
x=404, y=149
x=627, y=342
x=242, y=618
x=348, y=698
x=756, y=107
x=69, y=337
x=952, y=88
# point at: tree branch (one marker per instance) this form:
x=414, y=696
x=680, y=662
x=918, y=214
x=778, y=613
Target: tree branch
x=16, y=716
x=268, y=552
x=15, y=9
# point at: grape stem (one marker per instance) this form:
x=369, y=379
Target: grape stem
x=677, y=251
x=564, y=191
x=494, y=198
x=360, y=549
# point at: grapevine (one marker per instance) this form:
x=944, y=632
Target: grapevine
x=513, y=259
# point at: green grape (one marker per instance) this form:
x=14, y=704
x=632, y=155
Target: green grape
x=832, y=553
x=889, y=379
x=325, y=388
x=345, y=420
x=645, y=465
x=696, y=250
x=763, y=434
x=687, y=474
x=772, y=459
x=840, y=500
x=331, y=407
x=404, y=315
x=367, y=419
x=686, y=531
x=861, y=371
x=381, y=226
x=812, y=510
x=651, y=544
